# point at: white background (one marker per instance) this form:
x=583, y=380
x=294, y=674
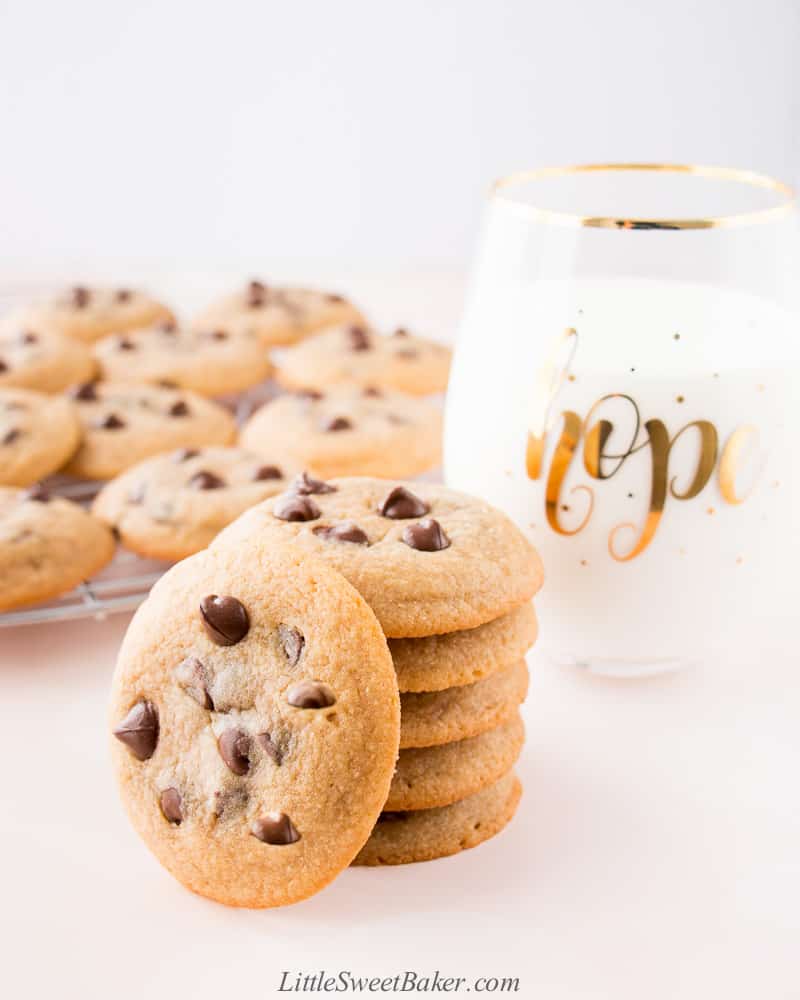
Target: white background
x=357, y=131
x=655, y=855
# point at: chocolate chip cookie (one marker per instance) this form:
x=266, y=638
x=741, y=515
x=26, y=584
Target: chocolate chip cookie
x=436, y=717
x=277, y=314
x=353, y=353
x=436, y=662
x=124, y=423
x=40, y=359
x=428, y=777
x=172, y=505
x=87, y=313
x=211, y=361
x=48, y=545
x=427, y=559
x=401, y=838
x=349, y=431
x=255, y=721
x=38, y=433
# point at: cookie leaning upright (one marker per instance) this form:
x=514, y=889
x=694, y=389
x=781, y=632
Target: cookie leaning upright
x=256, y=723
x=427, y=559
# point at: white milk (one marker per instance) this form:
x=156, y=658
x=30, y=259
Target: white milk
x=715, y=573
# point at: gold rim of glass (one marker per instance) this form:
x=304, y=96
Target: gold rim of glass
x=548, y=215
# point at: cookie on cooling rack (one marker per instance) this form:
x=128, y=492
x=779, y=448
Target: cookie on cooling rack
x=41, y=359
x=277, y=314
x=125, y=422
x=88, y=313
x=172, y=505
x=38, y=433
x=48, y=545
x=212, y=361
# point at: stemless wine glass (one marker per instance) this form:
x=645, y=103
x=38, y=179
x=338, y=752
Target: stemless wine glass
x=625, y=386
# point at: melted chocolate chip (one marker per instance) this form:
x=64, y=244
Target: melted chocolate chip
x=407, y=354
x=184, y=454
x=313, y=394
x=337, y=424
x=400, y=504
x=372, y=392
x=218, y=335
x=168, y=326
x=304, y=485
x=167, y=383
x=171, y=805
x=275, y=828
x=85, y=392
x=139, y=730
x=225, y=619
x=310, y=694
x=111, y=422
x=337, y=299
x=28, y=337
x=124, y=344
x=345, y=532
x=400, y=332
x=291, y=507
x=358, y=339
x=179, y=409
x=426, y=536
x=192, y=676
x=234, y=748
x=123, y=295
x=270, y=748
x=3, y=366
x=203, y=480
x=256, y=294
x=293, y=641
x=80, y=297
x=266, y=472
x=37, y=493
x=11, y=435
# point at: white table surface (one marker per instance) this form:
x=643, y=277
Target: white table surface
x=656, y=852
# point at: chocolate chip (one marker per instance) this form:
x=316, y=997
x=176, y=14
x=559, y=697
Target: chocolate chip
x=225, y=619
x=168, y=326
x=400, y=332
x=192, y=676
x=407, y=354
x=111, y=422
x=123, y=344
x=304, y=485
x=179, y=409
x=123, y=295
x=400, y=503
x=291, y=507
x=310, y=694
x=358, y=338
x=85, y=392
x=426, y=536
x=3, y=366
x=337, y=424
x=293, y=641
x=234, y=748
x=270, y=748
x=184, y=454
x=10, y=435
x=337, y=299
x=256, y=294
x=115, y=533
x=313, y=394
x=265, y=472
x=167, y=383
x=345, y=532
x=28, y=337
x=80, y=297
x=37, y=493
x=372, y=392
x=275, y=828
x=139, y=730
x=171, y=805
x=206, y=481
x=218, y=335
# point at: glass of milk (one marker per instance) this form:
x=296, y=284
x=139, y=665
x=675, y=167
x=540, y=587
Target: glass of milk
x=627, y=387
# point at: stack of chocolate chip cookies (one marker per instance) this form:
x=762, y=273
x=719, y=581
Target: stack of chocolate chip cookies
x=450, y=580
